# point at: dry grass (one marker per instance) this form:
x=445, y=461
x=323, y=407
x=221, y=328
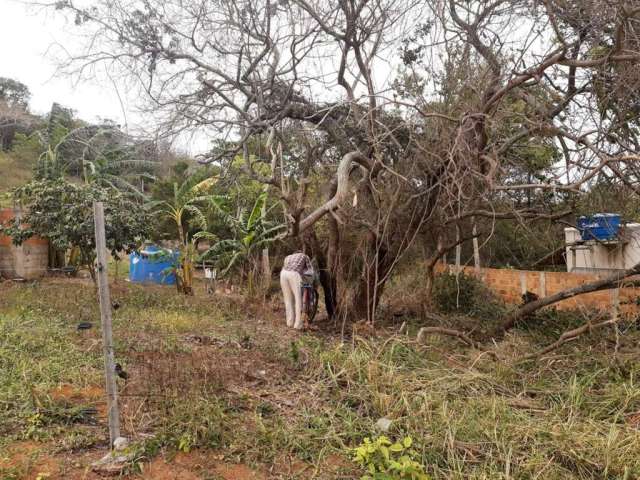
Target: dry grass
x=223, y=375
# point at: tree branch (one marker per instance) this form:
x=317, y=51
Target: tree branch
x=612, y=281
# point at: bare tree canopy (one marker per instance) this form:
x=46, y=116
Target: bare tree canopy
x=426, y=114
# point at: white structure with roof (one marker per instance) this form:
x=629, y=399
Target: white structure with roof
x=593, y=256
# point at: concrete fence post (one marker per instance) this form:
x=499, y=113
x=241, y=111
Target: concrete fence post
x=523, y=282
x=476, y=248
x=615, y=303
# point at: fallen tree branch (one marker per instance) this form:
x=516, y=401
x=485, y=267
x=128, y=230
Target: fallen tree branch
x=613, y=281
x=424, y=331
x=571, y=335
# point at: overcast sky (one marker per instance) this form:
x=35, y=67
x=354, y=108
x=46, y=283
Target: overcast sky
x=29, y=39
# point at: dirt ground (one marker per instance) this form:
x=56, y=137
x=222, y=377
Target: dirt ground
x=227, y=366
x=34, y=462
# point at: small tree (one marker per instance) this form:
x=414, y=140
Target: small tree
x=62, y=212
x=187, y=208
x=14, y=111
x=252, y=231
x=14, y=93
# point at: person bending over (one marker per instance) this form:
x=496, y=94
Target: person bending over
x=295, y=266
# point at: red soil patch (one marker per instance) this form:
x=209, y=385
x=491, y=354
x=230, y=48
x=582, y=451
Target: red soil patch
x=201, y=464
x=31, y=459
x=634, y=420
x=93, y=394
x=196, y=466
x=292, y=467
x=238, y=472
x=28, y=459
x=335, y=463
x=159, y=469
x=18, y=453
x=289, y=466
x=69, y=392
x=46, y=467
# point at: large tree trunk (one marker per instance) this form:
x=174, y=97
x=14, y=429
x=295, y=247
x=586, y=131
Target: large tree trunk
x=56, y=257
x=333, y=269
x=326, y=272
x=429, y=279
x=265, y=261
x=328, y=258
x=330, y=289
x=378, y=264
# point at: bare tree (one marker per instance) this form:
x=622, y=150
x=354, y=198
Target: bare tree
x=417, y=115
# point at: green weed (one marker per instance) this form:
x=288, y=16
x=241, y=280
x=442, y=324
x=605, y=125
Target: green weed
x=387, y=460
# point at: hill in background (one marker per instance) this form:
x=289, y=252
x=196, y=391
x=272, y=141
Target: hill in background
x=13, y=173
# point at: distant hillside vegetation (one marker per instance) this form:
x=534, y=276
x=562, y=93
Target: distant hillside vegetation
x=13, y=172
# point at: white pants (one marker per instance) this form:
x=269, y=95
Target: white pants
x=291, y=284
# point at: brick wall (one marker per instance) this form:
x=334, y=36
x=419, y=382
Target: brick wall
x=28, y=261
x=510, y=284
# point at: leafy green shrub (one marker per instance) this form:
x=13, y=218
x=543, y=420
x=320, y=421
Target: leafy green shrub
x=62, y=212
x=464, y=294
x=386, y=460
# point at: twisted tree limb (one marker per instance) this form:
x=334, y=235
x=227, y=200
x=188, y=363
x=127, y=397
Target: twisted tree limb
x=342, y=190
x=424, y=331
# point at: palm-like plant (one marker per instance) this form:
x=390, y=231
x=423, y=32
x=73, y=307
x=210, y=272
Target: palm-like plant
x=251, y=232
x=187, y=209
x=105, y=156
x=114, y=160
x=101, y=154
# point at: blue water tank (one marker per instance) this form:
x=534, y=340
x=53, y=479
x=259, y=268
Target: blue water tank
x=600, y=226
x=153, y=265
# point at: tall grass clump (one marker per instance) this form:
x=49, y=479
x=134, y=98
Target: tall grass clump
x=482, y=419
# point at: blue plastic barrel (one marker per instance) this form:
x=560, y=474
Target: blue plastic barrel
x=601, y=226
x=153, y=265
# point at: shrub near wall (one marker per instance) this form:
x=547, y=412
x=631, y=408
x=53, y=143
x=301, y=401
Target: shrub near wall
x=29, y=260
x=510, y=285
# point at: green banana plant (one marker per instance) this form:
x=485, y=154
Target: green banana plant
x=251, y=233
x=187, y=208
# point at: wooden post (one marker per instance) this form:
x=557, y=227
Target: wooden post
x=615, y=305
x=105, y=320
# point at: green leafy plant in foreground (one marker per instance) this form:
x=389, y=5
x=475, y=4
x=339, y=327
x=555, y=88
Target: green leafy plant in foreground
x=386, y=460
